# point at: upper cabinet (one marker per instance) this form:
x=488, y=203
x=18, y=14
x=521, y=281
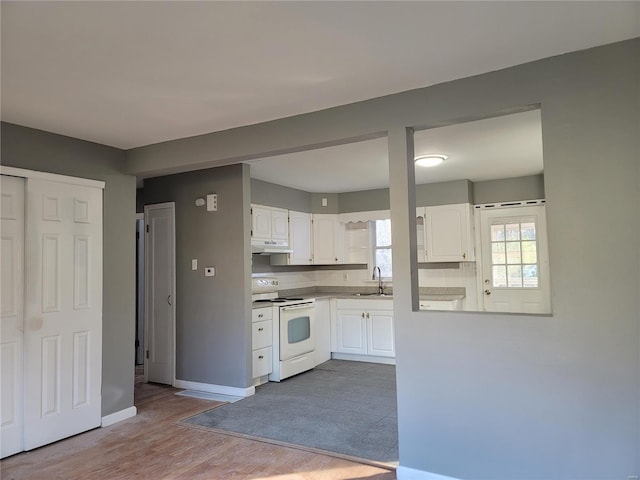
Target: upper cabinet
x=300, y=238
x=327, y=245
x=448, y=233
x=269, y=223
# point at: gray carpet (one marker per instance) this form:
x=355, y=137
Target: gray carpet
x=344, y=407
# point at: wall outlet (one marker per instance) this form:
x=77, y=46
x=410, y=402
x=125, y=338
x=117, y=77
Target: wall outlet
x=194, y=264
x=212, y=202
x=209, y=271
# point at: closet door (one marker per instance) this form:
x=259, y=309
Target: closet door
x=11, y=314
x=63, y=311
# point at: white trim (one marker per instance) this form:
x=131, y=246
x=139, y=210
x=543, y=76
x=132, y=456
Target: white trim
x=354, y=357
x=366, y=216
x=52, y=177
x=119, y=416
x=516, y=203
x=219, y=389
x=147, y=273
x=405, y=473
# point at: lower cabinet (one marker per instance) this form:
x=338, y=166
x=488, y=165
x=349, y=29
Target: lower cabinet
x=364, y=330
x=261, y=343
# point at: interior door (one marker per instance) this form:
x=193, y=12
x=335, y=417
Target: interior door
x=11, y=315
x=63, y=311
x=515, y=260
x=160, y=293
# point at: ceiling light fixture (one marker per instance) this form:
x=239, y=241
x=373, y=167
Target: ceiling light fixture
x=430, y=160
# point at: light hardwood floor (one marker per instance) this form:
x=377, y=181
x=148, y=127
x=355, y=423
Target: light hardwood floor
x=152, y=446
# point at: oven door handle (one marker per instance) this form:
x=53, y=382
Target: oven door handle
x=298, y=307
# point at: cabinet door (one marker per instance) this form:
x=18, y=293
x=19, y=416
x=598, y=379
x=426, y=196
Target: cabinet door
x=326, y=239
x=279, y=224
x=449, y=233
x=380, y=335
x=351, y=334
x=260, y=222
x=300, y=238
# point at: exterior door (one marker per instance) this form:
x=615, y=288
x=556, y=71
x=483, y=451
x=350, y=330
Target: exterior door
x=63, y=311
x=515, y=260
x=160, y=293
x=11, y=315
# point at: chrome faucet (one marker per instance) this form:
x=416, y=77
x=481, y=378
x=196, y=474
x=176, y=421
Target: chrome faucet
x=380, y=285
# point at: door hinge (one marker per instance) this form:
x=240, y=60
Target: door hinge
x=147, y=228
x=147, y=354
x=252, y=233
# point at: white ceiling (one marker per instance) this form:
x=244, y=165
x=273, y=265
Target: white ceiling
x=500, y=147
x=129, y=74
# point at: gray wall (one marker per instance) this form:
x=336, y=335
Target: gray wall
x=37, y=150
x=509, y=189
x=212, y=313
x=274, y=195
x=491, y=396
x=364, y=200
x=444, y=193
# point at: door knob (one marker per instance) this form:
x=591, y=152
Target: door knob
x=487, y=292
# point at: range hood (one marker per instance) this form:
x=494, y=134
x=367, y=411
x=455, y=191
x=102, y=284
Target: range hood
x=269, y=247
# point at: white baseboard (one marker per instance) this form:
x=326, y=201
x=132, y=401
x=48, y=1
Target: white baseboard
x=404, y=473
x=220, y=389
x=363, y=358
x=119, y=416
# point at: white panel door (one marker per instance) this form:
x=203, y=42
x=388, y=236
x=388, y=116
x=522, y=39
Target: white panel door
x=11, y=315
x=160, y=293
x=279, y=224
x=261, y=222
x=300, y=238
x=63, y=311
x=515, y=260
x=380, y=335
x=351, y=332
x=326, y=238
x=449, y=233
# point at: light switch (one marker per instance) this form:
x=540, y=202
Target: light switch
x=209, y=271
x=194, y=264
x=324, y=202
x=212, y=203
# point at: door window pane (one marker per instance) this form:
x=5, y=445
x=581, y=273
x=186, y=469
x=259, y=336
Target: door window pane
x=514, y=254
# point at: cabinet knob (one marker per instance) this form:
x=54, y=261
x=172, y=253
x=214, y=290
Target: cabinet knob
x=367, y=314
x=260, y=357
x=487, y=292
x=362, y=315
x=464, y=255
x=260, y=329
x=260, y=315
x=336, y=259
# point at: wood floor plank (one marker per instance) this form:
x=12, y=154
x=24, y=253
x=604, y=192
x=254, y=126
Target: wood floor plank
x=152, y=446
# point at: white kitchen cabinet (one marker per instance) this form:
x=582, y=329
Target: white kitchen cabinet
x=449, y=233
x=262, y=343
x=365, y=327
x=300, y=238
x=269, y=223
x=380, y=336
x=356, y=242
x=351, y=332
x=326, y=239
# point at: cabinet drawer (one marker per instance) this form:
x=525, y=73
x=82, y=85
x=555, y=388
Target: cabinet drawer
x=259, y=314
x=262, y=362
x=261, y=334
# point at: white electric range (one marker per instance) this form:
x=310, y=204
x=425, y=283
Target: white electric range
x=293, y=328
